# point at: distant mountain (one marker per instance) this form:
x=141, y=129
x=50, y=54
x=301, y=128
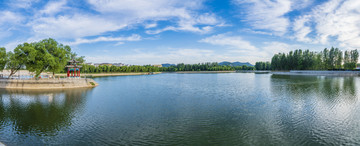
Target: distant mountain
x=167, y=65
x=235, y=63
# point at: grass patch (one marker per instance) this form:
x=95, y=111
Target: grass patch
x=92, y=83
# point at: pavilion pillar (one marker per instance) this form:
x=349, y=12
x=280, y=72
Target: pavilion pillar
x=68, y=72
x=79, y=72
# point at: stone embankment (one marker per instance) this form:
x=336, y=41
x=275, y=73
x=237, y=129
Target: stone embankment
x=47, y=83
x=318, y=73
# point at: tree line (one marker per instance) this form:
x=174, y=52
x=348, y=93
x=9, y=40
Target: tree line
x=328, y=59
x=116, y=69
x=209, y=66
x=149, y=68
x=263, y=65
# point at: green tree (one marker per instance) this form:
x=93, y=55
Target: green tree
x=13, y=64
x=3, y=58
x=73, y=55
x=60, y=55
x=339, y=59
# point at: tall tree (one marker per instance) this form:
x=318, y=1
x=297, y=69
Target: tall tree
x=3, y=58
x=14, y=64
x=339, y=58
x=73, y=55
x=43, y=55
x=60, y=55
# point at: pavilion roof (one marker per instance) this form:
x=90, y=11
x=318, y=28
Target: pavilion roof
x=73, y=66
x=73, y=61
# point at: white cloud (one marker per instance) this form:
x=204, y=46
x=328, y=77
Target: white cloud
x=301, y=4
x=181, y=12
x=8, y=17
x=11, y=46
x=335, y=20
x=169, y=55
x=58, y=20
x=119, y=40
x=231, y=41
x=75, y=26
x=53, y=7
x=24, y=4
x=301, y=30
x=236, y=47
x=145, y=9
x=191, y=24
x=183, y=27
x=8, y=22
x=271, y=48
x=266, y=14
x=150, y=25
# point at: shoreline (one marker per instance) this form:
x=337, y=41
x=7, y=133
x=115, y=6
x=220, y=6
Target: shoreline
x=47, y=84
x=316, y=73
x=112, y=74
x=291, y=72
x=199, y=72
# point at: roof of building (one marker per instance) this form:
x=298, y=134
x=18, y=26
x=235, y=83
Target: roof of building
x=73, y=61
x=73, y=66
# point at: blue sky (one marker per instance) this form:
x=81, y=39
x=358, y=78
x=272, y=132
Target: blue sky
x=188, y=31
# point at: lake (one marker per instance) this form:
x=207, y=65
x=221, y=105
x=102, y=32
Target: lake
x=187, y=109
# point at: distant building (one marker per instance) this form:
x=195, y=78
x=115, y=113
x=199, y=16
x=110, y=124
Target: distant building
x=108, y=64
x=118, y=64
x=96, y=64
x=157, y=65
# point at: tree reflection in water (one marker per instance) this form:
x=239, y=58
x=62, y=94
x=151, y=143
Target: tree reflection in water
x=322, y=86
x=40, y=112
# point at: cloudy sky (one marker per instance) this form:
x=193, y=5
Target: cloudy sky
x=188, y=31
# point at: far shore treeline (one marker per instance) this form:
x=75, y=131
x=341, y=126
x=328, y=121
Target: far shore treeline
x=328, y=59
x=149, y=68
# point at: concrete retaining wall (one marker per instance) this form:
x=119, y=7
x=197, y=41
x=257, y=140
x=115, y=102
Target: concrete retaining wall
x=47, y=83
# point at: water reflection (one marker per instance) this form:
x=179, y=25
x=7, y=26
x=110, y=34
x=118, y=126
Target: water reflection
x=329, y=87
x=40, y=112
x=322, y=110
x=188, y=109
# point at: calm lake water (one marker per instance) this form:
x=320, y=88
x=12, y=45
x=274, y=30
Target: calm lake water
x=188, y=109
